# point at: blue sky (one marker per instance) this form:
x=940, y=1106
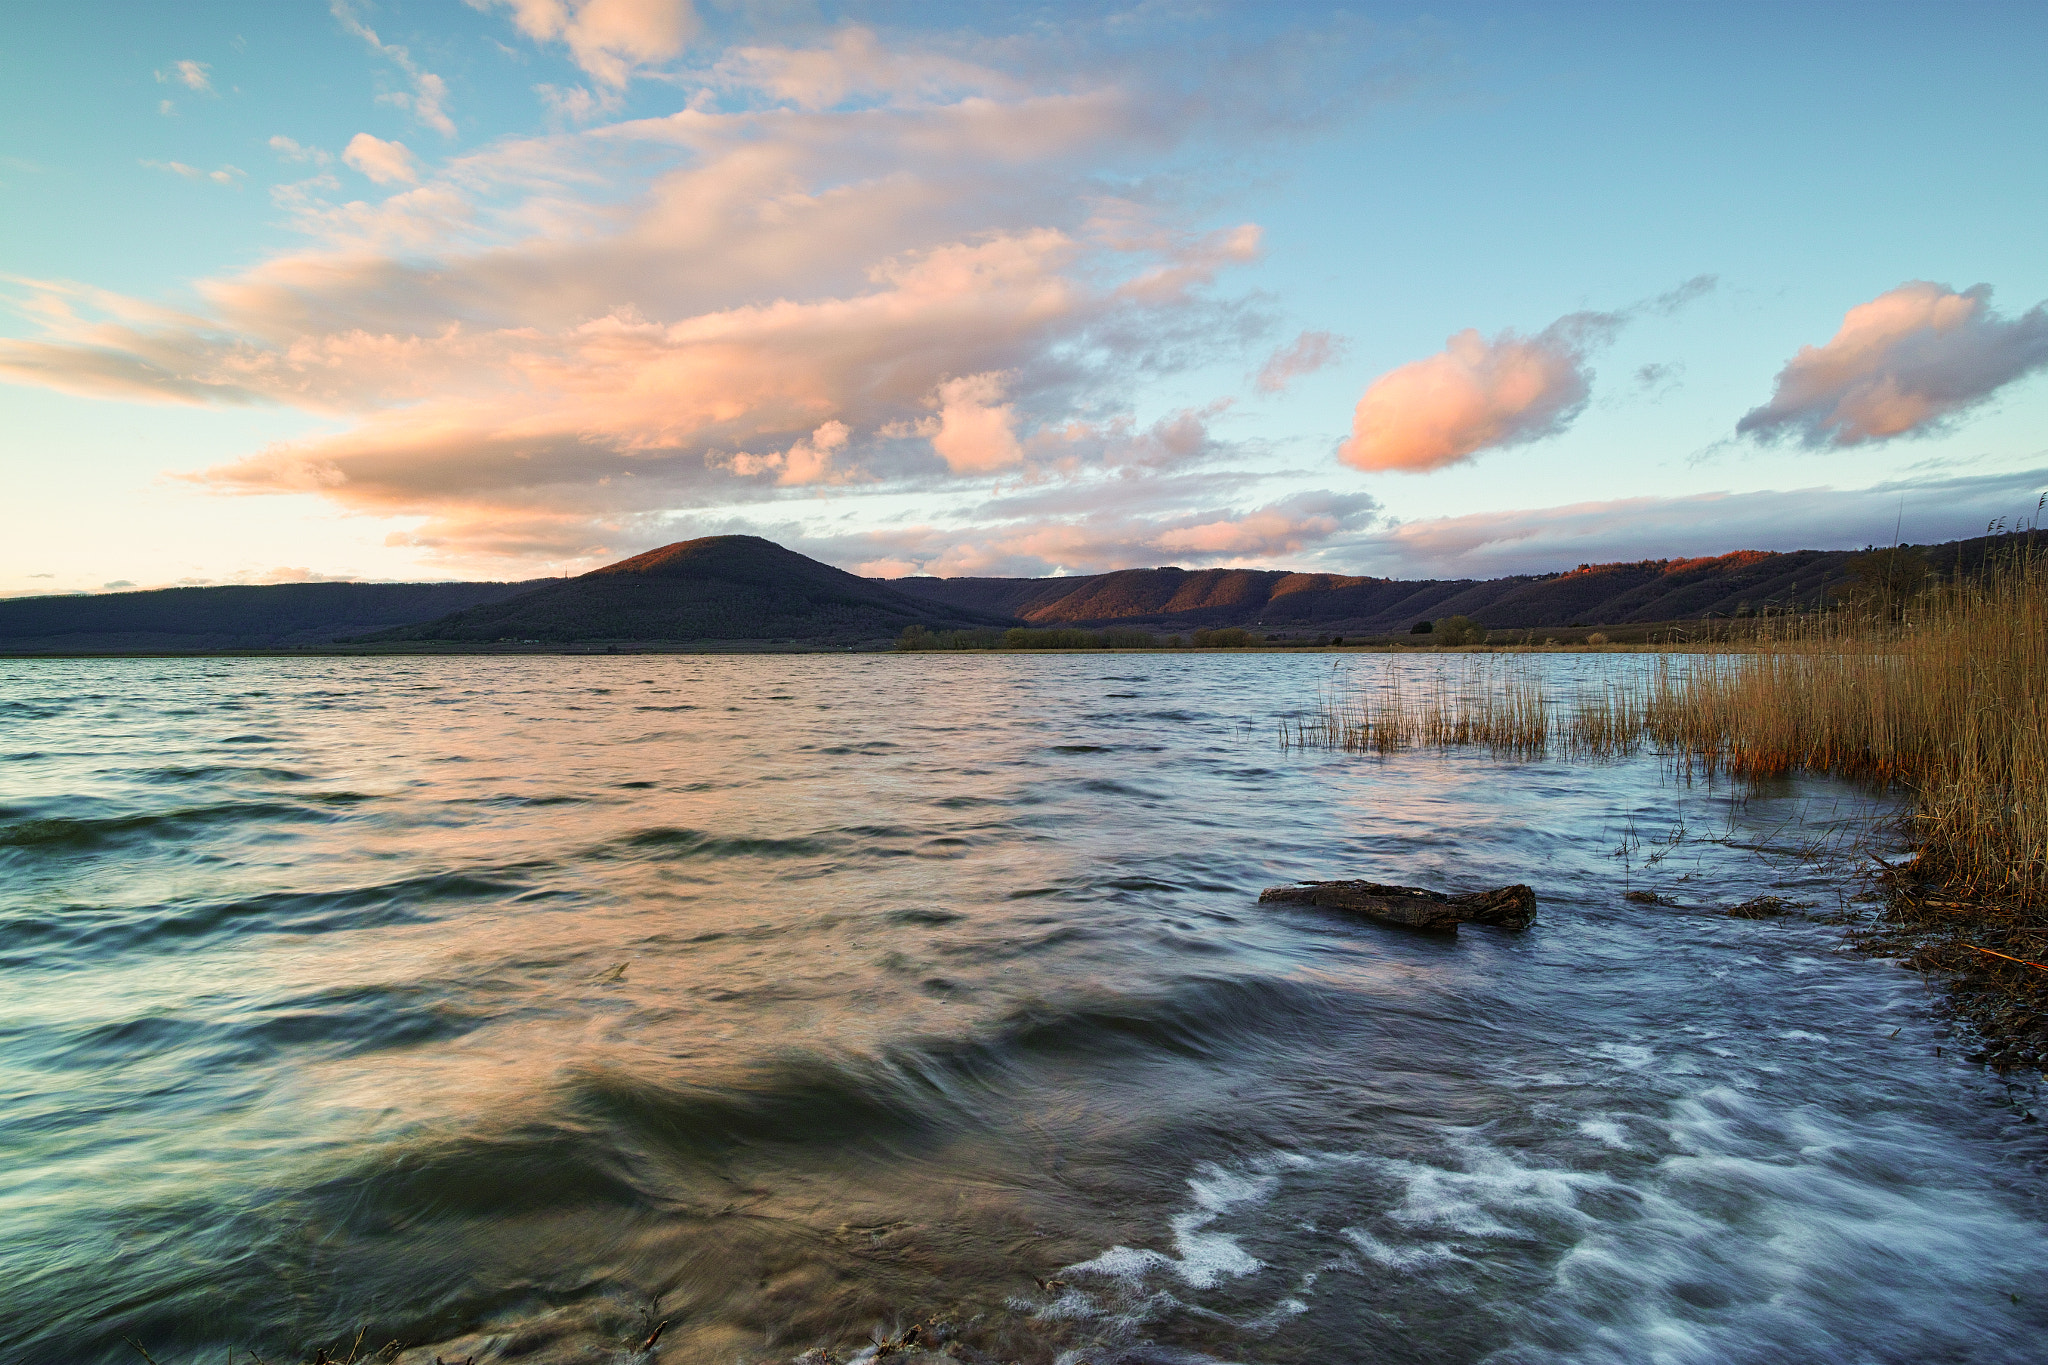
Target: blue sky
x=431, y=290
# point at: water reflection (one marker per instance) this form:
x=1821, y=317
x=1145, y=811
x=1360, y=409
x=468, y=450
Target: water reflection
x=503, y=1003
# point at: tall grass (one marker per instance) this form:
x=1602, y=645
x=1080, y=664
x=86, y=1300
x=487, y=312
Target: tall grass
x=1490, y=703
x=1946, y=699
x=1948, y=703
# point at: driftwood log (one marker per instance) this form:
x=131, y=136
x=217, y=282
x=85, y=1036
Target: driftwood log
x=1509, y=907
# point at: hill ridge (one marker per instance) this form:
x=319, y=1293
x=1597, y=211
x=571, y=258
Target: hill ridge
x=1278, y=600
x=772, y=593
x=738, y=588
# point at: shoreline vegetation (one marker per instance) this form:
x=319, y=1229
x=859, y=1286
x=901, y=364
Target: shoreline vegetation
x=1457, y=633
x=1933, y=688
x=1639, y=636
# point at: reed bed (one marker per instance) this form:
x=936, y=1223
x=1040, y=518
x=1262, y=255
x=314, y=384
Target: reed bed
x=1487, y=702
x=1943, y=695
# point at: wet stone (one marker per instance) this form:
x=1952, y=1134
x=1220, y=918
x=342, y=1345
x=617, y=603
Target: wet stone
x=1414, y=907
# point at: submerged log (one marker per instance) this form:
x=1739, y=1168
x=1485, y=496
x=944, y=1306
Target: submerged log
x=1413, y=907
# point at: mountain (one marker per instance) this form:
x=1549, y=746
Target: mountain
x=716, y=588
x=1279, y=602
x=745, y=588
x=235, y=617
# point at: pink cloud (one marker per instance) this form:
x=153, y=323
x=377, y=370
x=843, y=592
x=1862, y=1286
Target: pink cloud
x=1478, y=394
x=1102, y=537
x=808, y=461
x=387, y=163
x=609, y=39
x=1474, y=395
x=1195, y=263
x=975, y=431
x=554, y=347
x=859, y=64
x=1901, y=365
x=1306, y=354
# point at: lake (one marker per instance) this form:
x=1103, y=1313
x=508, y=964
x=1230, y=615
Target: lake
x=511, y=1006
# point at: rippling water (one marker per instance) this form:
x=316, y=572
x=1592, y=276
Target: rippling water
x=511, y=1005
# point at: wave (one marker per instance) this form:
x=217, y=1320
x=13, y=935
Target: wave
x=84, y=832
x=333, y=1023
x=514, y=802
x=48, y=937
x=673, y=841
x=607, y=1136
x=214, y=772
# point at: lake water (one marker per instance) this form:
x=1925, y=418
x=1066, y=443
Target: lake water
x=508, y=1006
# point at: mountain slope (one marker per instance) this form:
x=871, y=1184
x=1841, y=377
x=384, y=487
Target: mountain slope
x=746, y=588
x=1277, y=601
x=715, y=588
x=234, y=617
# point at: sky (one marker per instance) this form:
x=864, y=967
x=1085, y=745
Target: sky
x=498, y=289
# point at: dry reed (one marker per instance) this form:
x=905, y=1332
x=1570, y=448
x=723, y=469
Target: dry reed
x=1500, y=707
x=1943, y=696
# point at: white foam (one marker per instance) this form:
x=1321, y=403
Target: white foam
x=1277, y=1314
x=1768, y=1233
x=1206, y=1257
x=1071, y=1304
x=1219, y=1190
x=1203, y=1257
x=1732, y=1226
x=1400, y=1258
x=1606, y=1131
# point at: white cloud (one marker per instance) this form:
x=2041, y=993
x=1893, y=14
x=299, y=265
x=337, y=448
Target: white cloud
x=575, y=103
x=192, y=75
x=222, y=175
x=291, y=150
x=427, y=101
x=387, y=163
x=1541, y=540
x=1901, y=365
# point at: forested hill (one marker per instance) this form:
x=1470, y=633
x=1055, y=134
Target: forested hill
x=1278, y=601
x=234, y=617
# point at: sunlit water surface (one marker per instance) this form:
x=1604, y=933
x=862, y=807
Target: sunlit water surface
x=507, y=1006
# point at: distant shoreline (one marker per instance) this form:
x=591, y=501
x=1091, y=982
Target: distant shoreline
x=640, y=650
